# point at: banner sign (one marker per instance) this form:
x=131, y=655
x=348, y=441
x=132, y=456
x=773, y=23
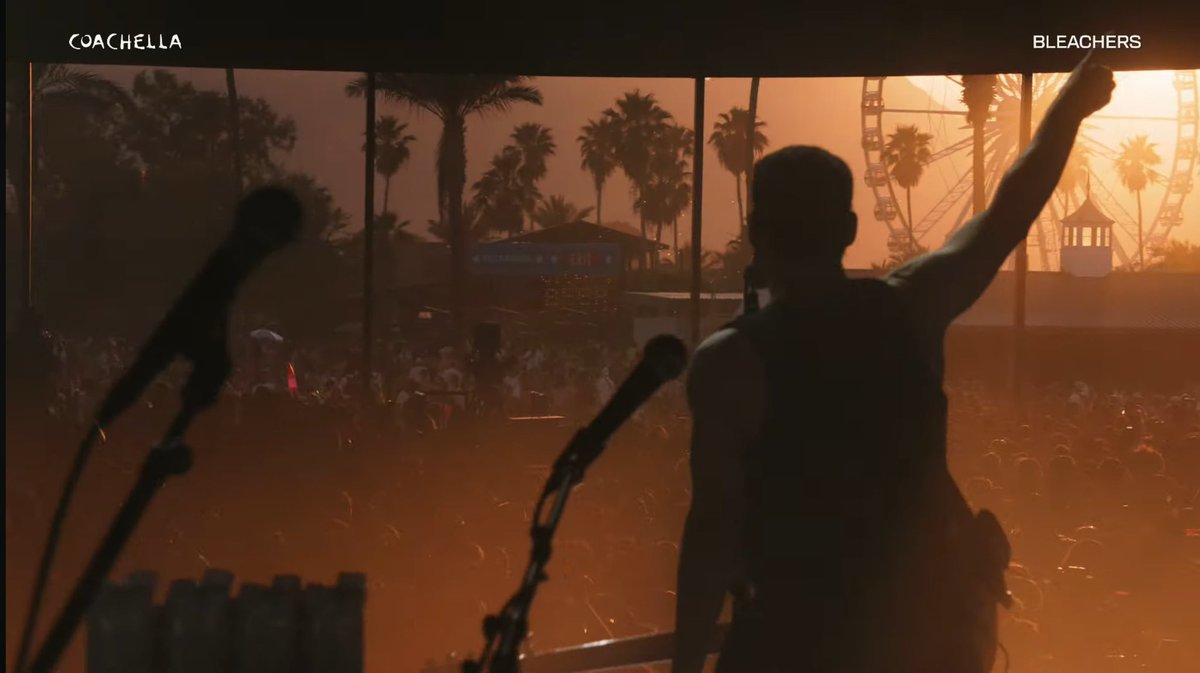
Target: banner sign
x=546, y=259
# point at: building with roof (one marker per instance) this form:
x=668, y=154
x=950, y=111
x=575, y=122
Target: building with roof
x=634, y=249
x=580, y=270
x=1086, y=241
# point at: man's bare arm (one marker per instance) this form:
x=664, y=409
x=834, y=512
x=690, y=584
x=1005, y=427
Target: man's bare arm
x=945, y=283
x=726, y=391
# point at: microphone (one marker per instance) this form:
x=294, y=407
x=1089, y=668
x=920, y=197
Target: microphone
x=267, y=220
x=665, y=357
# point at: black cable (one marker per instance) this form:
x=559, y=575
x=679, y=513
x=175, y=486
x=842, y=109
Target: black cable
x=170, y=458
x=196, y=328
x=56, y=525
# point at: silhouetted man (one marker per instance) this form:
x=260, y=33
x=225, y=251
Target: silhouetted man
x=821, y=496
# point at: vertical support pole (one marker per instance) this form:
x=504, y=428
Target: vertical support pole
x=25, y=189
x=1022, y=255
x=753, y=122
x=369, y=242
x=697, y=210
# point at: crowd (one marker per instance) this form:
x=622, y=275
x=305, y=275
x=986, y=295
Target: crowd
x=416, y=388
x=1100, y=493
x=1098, y=490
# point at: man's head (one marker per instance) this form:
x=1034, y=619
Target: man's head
x=800, y=210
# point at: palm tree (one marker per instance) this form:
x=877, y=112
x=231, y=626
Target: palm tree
x=391, y=228
x=730, y=264
x=907, y=153
x=57, y=85
x=978, y=93
x=536, y=144
x=640, y=121
x=1075, y=174
x=710, y=264
x=729, y=137
x=339, y=222
x=391, y=151
x=1133, y=167
x=503, y=196
x=666, y=198
x=598, y=144
x=1177, y=256
x=476, y=227
x=667, y=191
x=453, y=99
x=49, y=85
x=557, y=211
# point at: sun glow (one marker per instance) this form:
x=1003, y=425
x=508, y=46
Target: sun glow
x=1144, y=103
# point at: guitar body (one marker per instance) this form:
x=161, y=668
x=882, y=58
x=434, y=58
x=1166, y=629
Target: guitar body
x=938, y=613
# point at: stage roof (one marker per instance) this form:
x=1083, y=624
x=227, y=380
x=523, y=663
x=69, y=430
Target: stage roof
x=581, y=231
x=670, y=39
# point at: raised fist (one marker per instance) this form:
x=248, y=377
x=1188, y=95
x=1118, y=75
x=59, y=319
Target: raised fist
x=1088, y=89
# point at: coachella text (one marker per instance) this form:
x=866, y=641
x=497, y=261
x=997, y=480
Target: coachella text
x=118, y=42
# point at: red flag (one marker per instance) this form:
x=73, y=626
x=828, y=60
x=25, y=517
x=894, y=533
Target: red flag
x=293, y=387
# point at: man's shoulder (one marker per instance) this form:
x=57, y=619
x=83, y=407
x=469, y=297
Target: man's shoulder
x=728, y=344
x=725, y=363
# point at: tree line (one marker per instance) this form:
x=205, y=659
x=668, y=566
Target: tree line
x=132, y=187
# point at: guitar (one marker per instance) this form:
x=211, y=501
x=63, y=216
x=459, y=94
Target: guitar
x=987, y=553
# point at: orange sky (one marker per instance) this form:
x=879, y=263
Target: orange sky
x=810, y=111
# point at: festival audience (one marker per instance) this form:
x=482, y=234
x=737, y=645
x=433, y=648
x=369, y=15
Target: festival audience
x=1099, y=491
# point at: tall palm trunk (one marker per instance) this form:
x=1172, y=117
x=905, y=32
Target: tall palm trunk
x=979, y=201
x=751, y=120
x=658, y=228
x=387, y=187
x=599, y=199
x=675, y=243
x=646, y=258
x=975, y=87
x=454, y=163
x=1141, y=246
x=235, y=132
x=737, y=181
x=912, y=240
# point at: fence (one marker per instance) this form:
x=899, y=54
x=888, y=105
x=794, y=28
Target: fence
x=202, y=628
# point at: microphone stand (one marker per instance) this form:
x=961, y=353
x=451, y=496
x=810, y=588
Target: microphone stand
x=505, y=632
x=170, y=458
x=665, y=358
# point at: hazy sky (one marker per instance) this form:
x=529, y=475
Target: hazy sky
x=810, y=111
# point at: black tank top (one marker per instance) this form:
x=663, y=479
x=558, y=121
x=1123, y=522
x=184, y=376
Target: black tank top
x=840, y=479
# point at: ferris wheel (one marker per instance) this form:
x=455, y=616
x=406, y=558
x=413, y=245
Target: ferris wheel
x=946, y=202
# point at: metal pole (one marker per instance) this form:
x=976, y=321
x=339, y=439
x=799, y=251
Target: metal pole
x=369, y=240
x=697, y=208
x=1022, y=256
x=25, y=190
x=753, y=116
